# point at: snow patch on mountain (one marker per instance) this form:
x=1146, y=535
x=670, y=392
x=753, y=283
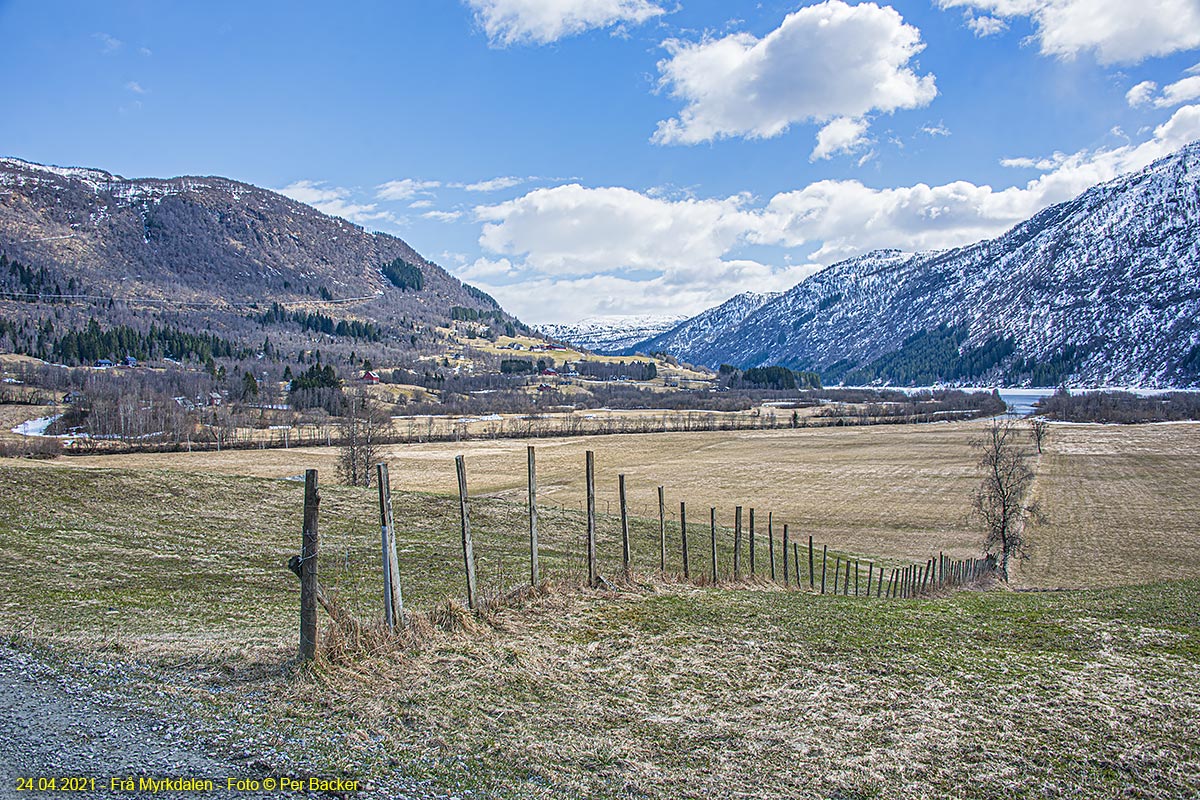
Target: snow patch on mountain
x=612, y=334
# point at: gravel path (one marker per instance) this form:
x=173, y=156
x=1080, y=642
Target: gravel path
x=56, y=723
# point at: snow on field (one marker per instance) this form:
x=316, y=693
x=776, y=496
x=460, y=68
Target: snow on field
x=35, y=427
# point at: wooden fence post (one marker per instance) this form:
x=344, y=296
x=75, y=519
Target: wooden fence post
x=590, y=475
x=662, y=531
x=846, y=588
x=683, y=534
x=393, y=595
x=824, y=565
x=837, y=571
x=460, y=466
x=811, y=577
x=796, y=562
x=786, y=575
x=752, y=543
x=856, y=577
x=771, y=541
x=625, y=560
x=737, y=542
x=308, y=568
x=534, y=578
x=870, y=576
x=712, y=521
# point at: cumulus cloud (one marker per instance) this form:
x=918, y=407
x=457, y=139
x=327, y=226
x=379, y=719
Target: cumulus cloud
x=1117, y=31
x=985, y=26
x=335, y=201
x=1140, y=94
x=848, y=218
x=612, y=250
x=404, y=189
x=1179, y=92
x=509, y=22
x=824, y=62
x=842, y=135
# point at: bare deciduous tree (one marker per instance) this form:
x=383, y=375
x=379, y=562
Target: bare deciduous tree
x=1000, y=501
x=1039, y=429
x=362, y=427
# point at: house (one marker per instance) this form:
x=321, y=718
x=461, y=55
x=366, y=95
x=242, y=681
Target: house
x=214, y=399
x=545, y=387
x=550, y=372
x=130, y=361
x=74, y=398
x=104, y=363
x=369, y=376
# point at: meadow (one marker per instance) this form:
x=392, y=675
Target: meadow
x=172, y=567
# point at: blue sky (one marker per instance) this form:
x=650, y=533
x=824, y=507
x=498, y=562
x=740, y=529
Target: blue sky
x=584, y=157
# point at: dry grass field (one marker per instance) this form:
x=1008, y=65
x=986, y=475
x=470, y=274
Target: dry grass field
x=168, y=570
x=1121, y=502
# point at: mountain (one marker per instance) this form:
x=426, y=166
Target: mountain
x=208, y=251
x=699, y=337
x=611, y=334
x=1100, y=290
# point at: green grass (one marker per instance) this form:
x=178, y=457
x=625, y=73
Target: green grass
x=660, y=690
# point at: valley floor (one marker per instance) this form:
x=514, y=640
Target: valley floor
x=157, y=584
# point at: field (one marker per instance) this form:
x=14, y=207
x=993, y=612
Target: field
x=173, y=566
x=1120, y=502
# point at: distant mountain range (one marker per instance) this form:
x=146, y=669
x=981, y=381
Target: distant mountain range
x=612, y=334
x=1101, y=290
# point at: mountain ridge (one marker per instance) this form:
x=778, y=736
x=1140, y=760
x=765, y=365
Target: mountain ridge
x=1101, y=289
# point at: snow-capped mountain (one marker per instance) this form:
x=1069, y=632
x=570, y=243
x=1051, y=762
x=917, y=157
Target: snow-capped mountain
x=611, y=334
x=1103, y=289
x=699, y=337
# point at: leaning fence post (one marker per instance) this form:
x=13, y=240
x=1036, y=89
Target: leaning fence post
x=856, y=578
x=712, y=521
x=662, y=531
x=786, y=575
x=737, y=542
x=460, y=466
x=533, y=521
x=796, y=562
x=683, y=536
x=624, y=525
x=590, y=475
x=393, y=596
x=837, y=571
x=308, y=568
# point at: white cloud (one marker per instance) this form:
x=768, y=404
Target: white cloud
x=985, y=26
x=1118, y=31
x=108, y=44
x=421, y=204
x=509, y=22
x=1140, y=94
x=572, y=251
x=842, y=135
x=442, y=216
x=1179, y=92
x=936, y=130
x=571, y=229
x=848, y=218
x=493, y=185
x=335, y=201
x=404, y=189
x=135, y=87
x=823, y=62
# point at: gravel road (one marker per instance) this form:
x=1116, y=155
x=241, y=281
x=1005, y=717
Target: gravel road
x=56, y=722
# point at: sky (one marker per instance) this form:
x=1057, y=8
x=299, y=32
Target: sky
x=577, y=158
